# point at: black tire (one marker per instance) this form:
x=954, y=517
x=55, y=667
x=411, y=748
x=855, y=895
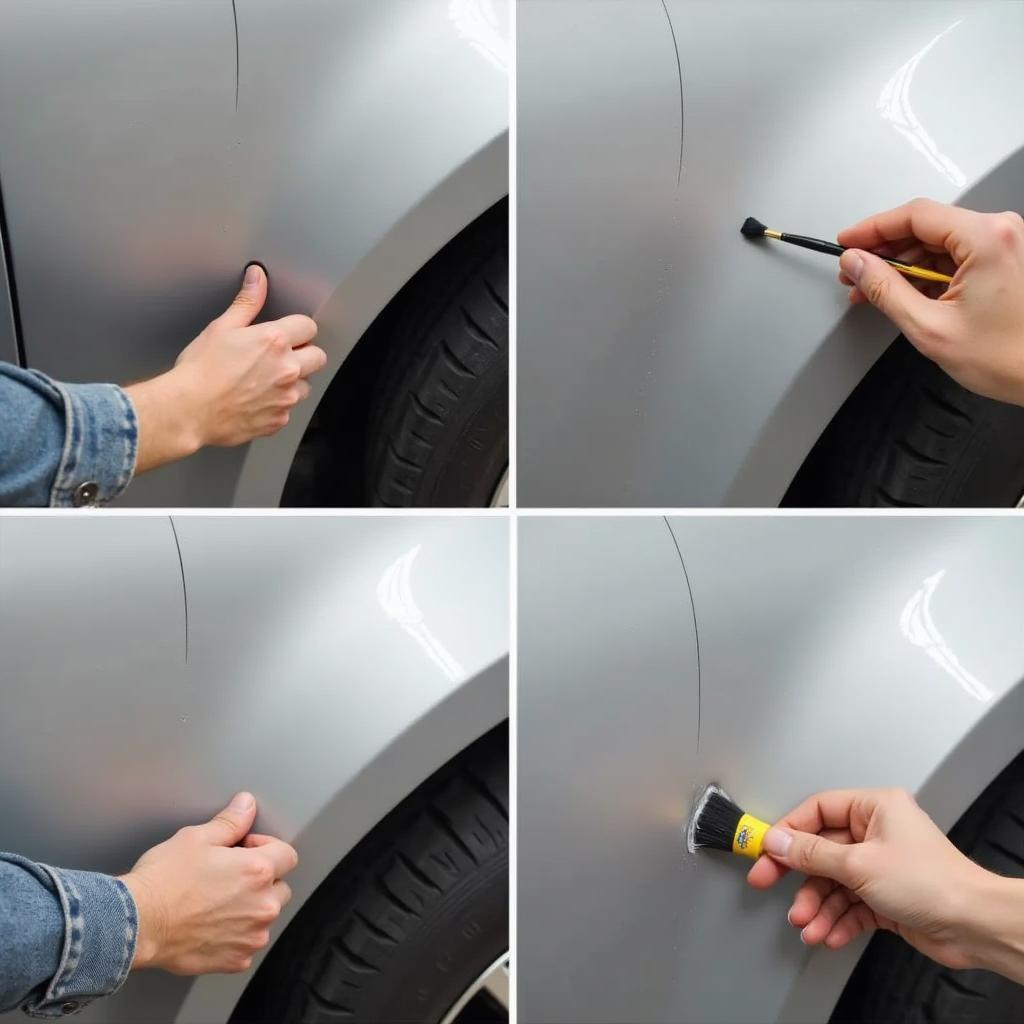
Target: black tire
x=911, y=437
x=894, y=984
x=411, y=918
x=439, y=419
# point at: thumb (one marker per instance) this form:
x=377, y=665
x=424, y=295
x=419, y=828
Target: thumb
x=811, y=854
x=232, y=825
x=246, y=305
x=887, y=289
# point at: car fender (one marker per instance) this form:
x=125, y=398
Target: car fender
x=829, y=652
x=342, y=145
x=694, y=367
x=332, y=665
x=836, y=653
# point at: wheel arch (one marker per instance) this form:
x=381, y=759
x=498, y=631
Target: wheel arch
x=395, y=771
x=949, y=791
x=836, y=369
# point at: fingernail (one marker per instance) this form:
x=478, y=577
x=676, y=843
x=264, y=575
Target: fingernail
x=852, y=264
x=777, y=842
x=242, y=802
x=803, y=938
x=252, y=275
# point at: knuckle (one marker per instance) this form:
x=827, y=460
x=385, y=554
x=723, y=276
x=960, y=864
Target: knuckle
x=920, y=202
x=260, y=872
x=276, y=340
x=806, y=854
x=1007, y=228
x=261, y=939
x=290, y=373
x=876, y=290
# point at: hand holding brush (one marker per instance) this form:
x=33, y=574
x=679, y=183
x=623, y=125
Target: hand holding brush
x=874, y=859
x=973, y=328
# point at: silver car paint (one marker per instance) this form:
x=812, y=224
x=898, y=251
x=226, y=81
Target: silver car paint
x=832, y=652
x=675, y=363
x=332, y=664
x=138, y=181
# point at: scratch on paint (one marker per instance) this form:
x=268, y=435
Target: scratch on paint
x=234, y=15
x=679, y=70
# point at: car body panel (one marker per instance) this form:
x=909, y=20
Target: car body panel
x=677, y=363
x=332, y=665
x=8, y=332
x=607, y=730
x=346, y=147
x=834, y=652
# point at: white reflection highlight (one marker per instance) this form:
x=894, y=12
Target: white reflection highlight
x=476, y=22
x=894, y=106
x=394, y=592
x=919, y=628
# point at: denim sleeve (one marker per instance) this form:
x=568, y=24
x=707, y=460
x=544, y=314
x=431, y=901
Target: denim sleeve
x=63, y=445
x=66, y=937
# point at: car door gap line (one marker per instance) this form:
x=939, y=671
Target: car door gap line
x=693, y=612
x=184, y=586
x=679, y=71
x=12, y=289
x=234, y=15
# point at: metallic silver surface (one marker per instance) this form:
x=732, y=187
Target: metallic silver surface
x=663, y=360
x=833, y=652
x=607, y=726
x=365, y=136
x=328, y=665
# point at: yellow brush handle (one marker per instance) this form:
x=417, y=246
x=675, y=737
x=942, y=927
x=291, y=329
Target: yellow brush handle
x=925, y=275
x=749, y=836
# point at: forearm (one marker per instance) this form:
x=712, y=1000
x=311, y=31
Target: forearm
x=168, y=425
x=63, y=444
x=994, y=925
x=66, y=937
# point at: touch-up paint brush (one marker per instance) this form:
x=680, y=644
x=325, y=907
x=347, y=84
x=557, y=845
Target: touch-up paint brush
x=753, y=228
x=719, y=824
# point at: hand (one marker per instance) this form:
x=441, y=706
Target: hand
x=205, y=903
x=974, y=327
x=235, y=382
x=876, y=860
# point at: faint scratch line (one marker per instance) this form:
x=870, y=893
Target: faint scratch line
x=679, y=71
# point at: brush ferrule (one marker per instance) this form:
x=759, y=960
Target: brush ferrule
x=749, y=836
x=771, y=233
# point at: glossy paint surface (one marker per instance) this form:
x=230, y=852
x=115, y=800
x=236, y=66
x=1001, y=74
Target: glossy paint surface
x=142, y=167
x=332, y=665
x=833, y=652
x=676, y=363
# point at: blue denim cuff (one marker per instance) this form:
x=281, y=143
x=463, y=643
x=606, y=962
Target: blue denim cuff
x=101, y=441
x=101, y=925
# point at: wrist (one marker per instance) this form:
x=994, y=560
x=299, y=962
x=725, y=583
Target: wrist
x=992, y=924
x=169, y=417
x=147, y=932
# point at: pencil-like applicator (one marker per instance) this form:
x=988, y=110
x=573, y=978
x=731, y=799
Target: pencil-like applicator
x=718, y=823
x=753, y=228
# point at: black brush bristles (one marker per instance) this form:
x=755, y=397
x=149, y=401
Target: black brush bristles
x=713, y=822
x=752, y=228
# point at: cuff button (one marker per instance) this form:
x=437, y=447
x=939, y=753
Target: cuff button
x=86, y=494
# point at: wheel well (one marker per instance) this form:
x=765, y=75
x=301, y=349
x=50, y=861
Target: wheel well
x=890, y=973
x=325, y=471
x=261, y=990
